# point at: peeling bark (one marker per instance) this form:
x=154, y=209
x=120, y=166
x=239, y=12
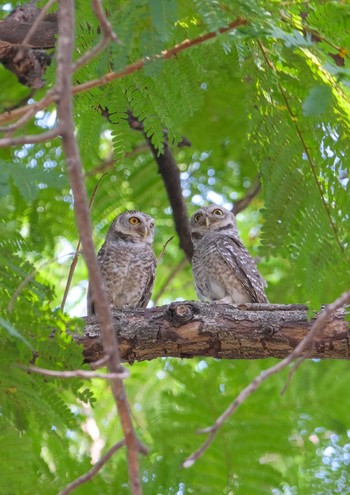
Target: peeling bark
x=187, y=329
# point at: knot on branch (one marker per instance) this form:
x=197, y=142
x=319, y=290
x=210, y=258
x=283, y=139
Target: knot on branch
x=179, y=314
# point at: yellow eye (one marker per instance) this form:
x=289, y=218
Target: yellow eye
x=196, y=217
x=218, y=212
x=134, y=220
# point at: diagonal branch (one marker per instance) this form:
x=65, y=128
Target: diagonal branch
x=75, y=174
x=94, y=470
x=241, y=204
x=130, y=69
x=317, y=326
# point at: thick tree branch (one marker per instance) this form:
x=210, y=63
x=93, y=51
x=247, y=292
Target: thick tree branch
x=187, y=329
x=170, y=173
x=75, y=174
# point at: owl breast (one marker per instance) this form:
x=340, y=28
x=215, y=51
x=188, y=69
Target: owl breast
x=214, y=281
x=128, y=274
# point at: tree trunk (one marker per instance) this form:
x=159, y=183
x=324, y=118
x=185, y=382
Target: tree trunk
x=187, y=329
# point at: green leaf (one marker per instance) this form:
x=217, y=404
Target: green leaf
x=318, y=101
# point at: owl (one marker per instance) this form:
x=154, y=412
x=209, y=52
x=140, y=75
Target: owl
x=223, y=269
x=127, y=262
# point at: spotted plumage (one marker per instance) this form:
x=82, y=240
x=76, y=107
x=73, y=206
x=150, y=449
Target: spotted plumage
x=127, y=262
x=223, y=269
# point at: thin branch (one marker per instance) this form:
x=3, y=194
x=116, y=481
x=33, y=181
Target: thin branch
x=77, y=251
x=28, y=112
x=317, y=326
x=29, y=278
x=77, y=373
x=304, y=145
x=108, y=35
x=161, y=254
x=130, y=69
x=110, y=162
x=248, y=198
x=34, y=139
x=177, y=268
x=105, y=26
x=94, y=470
x=75, y=174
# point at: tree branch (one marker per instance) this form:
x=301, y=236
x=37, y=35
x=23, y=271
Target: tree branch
x=94, y=470
x=248, y=198
x=77, y=373
x=75, y=174
x=187, y=329
x=130, y=69
x=310, y=338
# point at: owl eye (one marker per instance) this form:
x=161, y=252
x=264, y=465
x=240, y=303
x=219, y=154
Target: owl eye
x=197, y=217
x=134, y=220
x=218, y=212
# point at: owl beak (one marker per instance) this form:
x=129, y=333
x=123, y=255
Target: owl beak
x=207, y=222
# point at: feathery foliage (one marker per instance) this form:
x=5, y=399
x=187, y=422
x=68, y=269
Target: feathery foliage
x=270, y=99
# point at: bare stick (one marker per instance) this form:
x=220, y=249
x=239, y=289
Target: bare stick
x=75, y=174
x=317, y=326
x=30, y=277
x=36, y=138
x=108, y=35
x=77, y=373
x=77, y=251
x=94, y=470
x=130, y=69
x=161, y=254
x=30, y=111
x=248, y=198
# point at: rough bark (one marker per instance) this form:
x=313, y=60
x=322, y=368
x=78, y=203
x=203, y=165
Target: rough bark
x=187, y=329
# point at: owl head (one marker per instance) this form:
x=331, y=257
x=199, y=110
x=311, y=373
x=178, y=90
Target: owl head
x=132, y=226
x=212, y=218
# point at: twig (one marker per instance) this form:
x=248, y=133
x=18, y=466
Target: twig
x=177, y=268
x=35, y=138
x=30, y=277
x=77, y=373
x=244, y=202
x=317, y=326
x=94, y=470
x=30, y=111
x=161, y=254
x=304, y=145
x=108, y=35
x=295, y=366
x=77, y=251
x=110, y=162
x=75, y=174
x=130, y=69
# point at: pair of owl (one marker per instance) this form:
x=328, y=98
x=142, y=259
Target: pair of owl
x=223, y=269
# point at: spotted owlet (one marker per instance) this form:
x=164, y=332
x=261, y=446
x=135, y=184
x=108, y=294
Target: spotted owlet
x=127, y=262
x=223, y=269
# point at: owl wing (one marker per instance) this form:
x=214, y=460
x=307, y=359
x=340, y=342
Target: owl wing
x=90, y=302
x=151, y=273
x=243, y=266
